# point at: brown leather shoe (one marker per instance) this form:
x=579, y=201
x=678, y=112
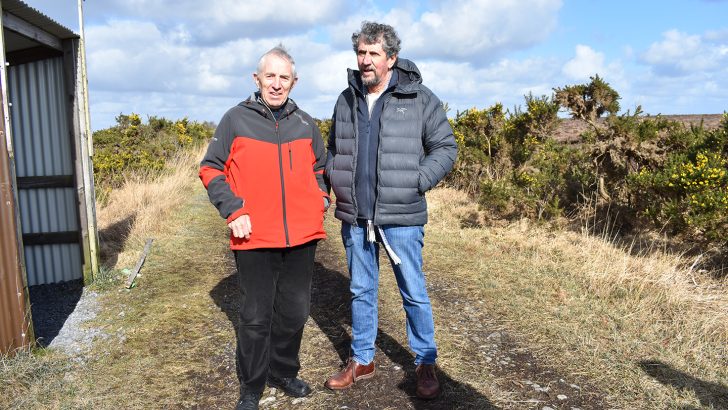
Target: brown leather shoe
x=351, y=373
x=427, y=385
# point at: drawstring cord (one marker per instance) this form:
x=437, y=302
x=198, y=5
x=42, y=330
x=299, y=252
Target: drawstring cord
x=371, y=237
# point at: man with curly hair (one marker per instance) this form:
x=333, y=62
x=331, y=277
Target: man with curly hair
x=390, y=142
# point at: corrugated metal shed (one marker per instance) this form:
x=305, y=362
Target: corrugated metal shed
x=37, y=19
x=43, y=151
x=48, y=215
x=14, y=321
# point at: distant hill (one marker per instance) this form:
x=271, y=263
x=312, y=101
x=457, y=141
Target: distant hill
x=570, y=129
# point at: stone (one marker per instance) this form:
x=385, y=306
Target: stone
x=269, y=399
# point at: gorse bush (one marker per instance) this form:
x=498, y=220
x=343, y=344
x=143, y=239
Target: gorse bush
x=510, y=162
x=688, y=192
x=481, y=142
x=132, y=146
x=646, y=171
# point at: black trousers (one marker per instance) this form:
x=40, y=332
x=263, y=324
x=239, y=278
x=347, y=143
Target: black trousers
x=275, y=298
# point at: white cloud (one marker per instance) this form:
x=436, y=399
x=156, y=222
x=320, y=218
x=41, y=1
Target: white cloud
x=106, y=105
x=717, y=35
x=133, y=55
x=506, y=81
x=679, y=53
x=327, y=75
x=215, y=21
x=136, y=66
x=478, y=30
x=585, y=64
x=169, y=49
x=684, y=74
x=588, y=62
x=233, y=11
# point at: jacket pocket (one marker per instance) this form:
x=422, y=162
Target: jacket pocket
x=423, y=185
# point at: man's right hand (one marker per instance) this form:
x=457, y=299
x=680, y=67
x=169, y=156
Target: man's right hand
x=241, y=227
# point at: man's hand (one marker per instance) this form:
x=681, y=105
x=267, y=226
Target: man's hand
x=241, y=227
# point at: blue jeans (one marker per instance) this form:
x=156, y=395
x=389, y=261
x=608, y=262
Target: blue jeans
x=363, y=260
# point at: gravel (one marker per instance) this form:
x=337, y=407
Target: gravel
x=59, y=312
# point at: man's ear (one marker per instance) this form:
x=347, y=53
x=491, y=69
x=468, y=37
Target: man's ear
x=255, y=78
x=295, y=80
x=391, y=61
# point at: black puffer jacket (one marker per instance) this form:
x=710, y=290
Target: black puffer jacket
x=416, y=150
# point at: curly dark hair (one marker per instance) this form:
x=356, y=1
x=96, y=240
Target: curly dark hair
x=372, y=32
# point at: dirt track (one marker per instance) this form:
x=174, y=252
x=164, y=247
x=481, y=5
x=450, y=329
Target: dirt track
x=483, y=356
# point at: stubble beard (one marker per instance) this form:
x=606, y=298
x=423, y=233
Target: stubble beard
x=372, y=81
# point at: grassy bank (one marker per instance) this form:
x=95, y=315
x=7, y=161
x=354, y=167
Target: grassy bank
x=647, y=329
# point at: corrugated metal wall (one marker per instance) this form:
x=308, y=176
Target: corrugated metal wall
x=15, y=327
x=43, y=147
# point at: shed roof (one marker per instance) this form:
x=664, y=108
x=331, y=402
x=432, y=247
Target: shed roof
x=38, y=19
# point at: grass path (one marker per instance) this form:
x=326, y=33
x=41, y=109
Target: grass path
x=169, y=342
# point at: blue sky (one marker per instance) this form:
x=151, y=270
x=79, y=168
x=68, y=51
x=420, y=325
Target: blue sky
x=195, y=59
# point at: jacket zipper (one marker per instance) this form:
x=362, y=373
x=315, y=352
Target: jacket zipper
x=283, y=182
x=283, y=186
x=290, y=157
x=355, y=152
x=379, y=151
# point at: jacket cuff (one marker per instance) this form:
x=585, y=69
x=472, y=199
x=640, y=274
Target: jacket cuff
x=235, y=215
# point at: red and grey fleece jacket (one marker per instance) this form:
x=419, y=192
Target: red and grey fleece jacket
x=271, y=170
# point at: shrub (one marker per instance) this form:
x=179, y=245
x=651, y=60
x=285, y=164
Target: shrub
x=504, y=158
x=132, y=146
x=647, y=170
x=325, y=128
x=689, y=192
x=482, y=154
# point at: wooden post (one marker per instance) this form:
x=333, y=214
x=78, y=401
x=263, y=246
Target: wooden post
x=87, y=149
x=138, y=267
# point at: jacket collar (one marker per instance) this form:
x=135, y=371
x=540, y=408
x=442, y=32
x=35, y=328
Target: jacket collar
x=256, y=103
x=408, y=77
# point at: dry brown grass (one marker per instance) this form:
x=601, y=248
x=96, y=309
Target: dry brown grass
x=144, y=205
x=588, y=306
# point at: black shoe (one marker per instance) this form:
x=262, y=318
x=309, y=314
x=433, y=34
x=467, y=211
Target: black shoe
x=248, y=401
x=292, y=386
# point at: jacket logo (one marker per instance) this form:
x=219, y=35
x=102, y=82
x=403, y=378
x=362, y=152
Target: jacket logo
x=300, y=117
x=401, y=110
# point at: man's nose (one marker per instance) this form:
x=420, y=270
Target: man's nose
x=276, y=83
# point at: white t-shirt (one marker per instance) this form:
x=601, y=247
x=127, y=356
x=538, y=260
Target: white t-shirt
x=372, y=100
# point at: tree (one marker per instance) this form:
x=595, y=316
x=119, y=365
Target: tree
x=589, y=101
